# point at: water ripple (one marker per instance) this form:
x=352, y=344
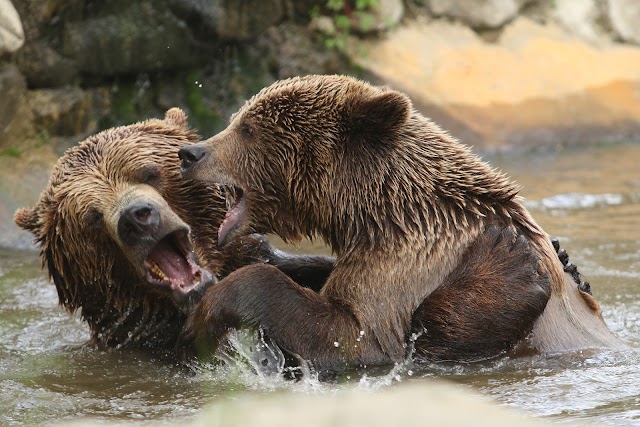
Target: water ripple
x=576, y=201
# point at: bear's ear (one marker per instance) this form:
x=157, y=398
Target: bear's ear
x=380, y=114
x=175, y=116
x=27, y=219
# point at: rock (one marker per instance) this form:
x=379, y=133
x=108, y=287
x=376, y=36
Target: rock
x=369, y=21
x=39, y=15
x=537, y=84
x=68, y=111
x=15, y=117
x=292, y=52
x=581, y=18
x=11, y=32
x=415, y=403
x=391, y=12
x=231, y=19
x=323, y=24
x=624, y=16
x=408, y=404
x=387, y=15
x=141, y=37
x=45, y=67
x=484, y=14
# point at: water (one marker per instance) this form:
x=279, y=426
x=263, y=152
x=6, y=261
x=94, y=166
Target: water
x=589, y=198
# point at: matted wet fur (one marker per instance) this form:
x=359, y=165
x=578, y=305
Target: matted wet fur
x=410, y=213
x=130, y=243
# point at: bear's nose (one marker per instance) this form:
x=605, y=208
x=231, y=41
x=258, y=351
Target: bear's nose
x=138, y=221
x=191, y=155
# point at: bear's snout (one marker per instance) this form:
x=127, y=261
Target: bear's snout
x=139, y=220
x=191, y=155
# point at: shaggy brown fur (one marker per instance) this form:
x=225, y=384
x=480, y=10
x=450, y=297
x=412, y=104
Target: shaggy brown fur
x=427, y=236
x=110, y=203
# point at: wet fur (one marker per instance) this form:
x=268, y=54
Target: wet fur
x=452, y=324
x=88, y=267
x=409, y=212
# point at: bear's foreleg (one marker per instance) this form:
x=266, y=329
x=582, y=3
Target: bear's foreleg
x=299, y=320
x=486, y=305
x=309, y=271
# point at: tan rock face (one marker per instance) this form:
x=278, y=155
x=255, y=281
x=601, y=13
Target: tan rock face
x=536, y=84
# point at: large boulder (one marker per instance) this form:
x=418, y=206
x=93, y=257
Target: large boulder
x=11, y=32
x=484, y=14
x=139, y=37
x=624, y=16
x=68, y=111
x=15, y=119
x=39, y=16
x=582, y=18
x=124, y=37
x=231, y=19
x=43, y=66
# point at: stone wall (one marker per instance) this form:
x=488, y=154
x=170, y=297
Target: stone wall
x=498, y=75
x=71, y=68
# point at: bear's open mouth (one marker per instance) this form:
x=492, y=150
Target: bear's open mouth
x=235, y=213
x=171, y=263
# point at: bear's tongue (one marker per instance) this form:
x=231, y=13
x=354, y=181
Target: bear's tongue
x=171, y=263
x=232, y=218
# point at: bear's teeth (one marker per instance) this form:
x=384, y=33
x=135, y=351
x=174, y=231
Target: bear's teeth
x=155, y=269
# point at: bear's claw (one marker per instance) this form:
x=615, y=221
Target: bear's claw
x=570, y=268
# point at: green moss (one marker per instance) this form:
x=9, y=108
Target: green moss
x=43, y=138
x=11, y=152
x=124, y=103
x=201, y=116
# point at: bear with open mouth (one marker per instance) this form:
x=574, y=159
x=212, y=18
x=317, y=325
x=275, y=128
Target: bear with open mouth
x=436, y=254
x=131, y=244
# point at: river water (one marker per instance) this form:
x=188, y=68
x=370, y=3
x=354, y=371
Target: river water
x=588, y=197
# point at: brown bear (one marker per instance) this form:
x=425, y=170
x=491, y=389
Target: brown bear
x=132, y=244
x=435, y=251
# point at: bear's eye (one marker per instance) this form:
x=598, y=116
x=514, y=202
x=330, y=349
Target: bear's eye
x=246, y=129
x=93, y=218
x=150, y=175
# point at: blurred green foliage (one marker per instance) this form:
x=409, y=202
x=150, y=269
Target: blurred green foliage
x=348, y=17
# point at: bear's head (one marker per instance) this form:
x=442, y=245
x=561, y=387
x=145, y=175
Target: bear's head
x=293, y=148
x=122, y=234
